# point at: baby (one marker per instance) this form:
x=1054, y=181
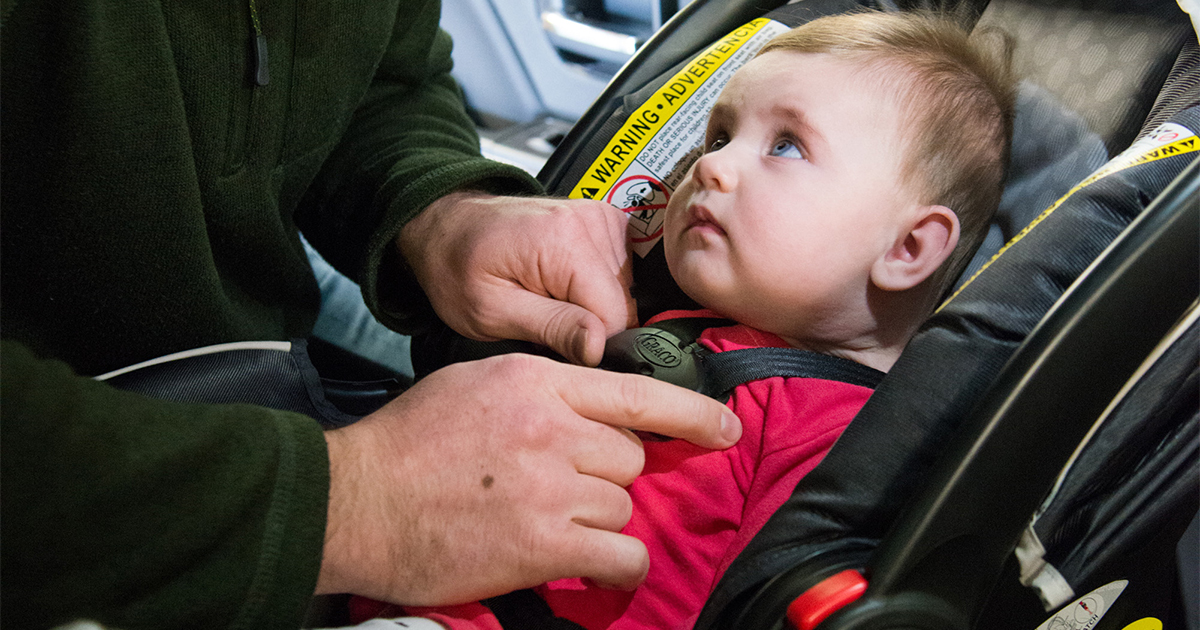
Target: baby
x=848, y=175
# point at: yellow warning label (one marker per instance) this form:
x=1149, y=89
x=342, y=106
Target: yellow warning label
x=1130, y=158
x=1184, y=145
x=644, y=123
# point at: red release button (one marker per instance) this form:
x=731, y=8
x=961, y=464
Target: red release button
x=826, y=598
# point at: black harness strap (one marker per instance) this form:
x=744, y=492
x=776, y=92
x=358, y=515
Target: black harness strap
x=669, y=351
x=724, y=371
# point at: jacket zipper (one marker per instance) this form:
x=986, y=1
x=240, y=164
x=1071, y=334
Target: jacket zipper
x=261, y=74
x=245, y=101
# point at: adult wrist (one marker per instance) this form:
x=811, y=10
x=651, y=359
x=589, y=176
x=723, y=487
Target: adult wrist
x=336, y=558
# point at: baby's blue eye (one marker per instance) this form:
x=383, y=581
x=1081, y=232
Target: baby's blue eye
x=787, y=149
x=716, y=145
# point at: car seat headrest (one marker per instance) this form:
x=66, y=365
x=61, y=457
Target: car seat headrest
x=1105, y=59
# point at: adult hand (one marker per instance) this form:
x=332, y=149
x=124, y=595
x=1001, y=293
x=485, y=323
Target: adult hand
x=551, y=271
x=499, y=474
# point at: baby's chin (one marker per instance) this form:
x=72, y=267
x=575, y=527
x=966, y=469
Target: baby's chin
x=705, y=291
x=724, y=299
x=688, y=256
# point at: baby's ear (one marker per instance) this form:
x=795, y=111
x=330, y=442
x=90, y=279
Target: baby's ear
x=930, y=237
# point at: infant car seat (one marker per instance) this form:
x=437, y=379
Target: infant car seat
x=928, y=493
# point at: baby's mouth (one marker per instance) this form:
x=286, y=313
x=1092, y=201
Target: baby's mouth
x=700, y=219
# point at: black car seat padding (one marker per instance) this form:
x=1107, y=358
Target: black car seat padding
x=1140, y=463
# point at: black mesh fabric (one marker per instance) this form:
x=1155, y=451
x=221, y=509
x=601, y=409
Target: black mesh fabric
x=1182, y=88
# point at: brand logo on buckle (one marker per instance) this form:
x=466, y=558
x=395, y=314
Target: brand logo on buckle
x=658, y=350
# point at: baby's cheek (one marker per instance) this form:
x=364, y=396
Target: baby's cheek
x=672, y=229
x=703, y=278
x=675, y=208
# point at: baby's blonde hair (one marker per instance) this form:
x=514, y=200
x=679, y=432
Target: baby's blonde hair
x=959, y=95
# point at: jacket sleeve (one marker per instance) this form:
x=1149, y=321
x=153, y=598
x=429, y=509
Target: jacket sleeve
x=140, y=513
x=408, y=143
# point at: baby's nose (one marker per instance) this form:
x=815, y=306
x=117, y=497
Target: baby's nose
x=717, y=170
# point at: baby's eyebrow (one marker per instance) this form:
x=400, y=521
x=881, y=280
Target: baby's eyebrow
x=721, y=114
x=795, y=118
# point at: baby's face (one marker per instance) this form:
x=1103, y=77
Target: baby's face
x=779, y=222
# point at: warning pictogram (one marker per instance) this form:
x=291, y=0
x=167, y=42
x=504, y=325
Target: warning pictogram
x=643, y=198
x=647, y=157
x=1087, y=611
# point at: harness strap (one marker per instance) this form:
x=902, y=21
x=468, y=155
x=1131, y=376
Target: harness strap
x=724, y=371
x=669, y=350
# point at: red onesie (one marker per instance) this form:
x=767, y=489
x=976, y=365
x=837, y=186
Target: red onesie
x=696, y=509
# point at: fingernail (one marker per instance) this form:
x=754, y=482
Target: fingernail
x=731, y=427
x=580, y=342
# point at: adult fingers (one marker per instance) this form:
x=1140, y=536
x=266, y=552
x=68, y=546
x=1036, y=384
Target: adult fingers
x=569, y=329
x=610, y=559
x=600, y=280
x=621, y=249
x=617, y=226
x=638, y=402
x=610, y=453
x=606, y=295
x=618, y=235
x=608, y=506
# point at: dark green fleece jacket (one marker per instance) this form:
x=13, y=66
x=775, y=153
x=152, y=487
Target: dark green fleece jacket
x=151, y=190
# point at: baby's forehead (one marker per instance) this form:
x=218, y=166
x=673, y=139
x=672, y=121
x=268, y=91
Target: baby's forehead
x=869, y=75
x=831, y=100
x=784, y=79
